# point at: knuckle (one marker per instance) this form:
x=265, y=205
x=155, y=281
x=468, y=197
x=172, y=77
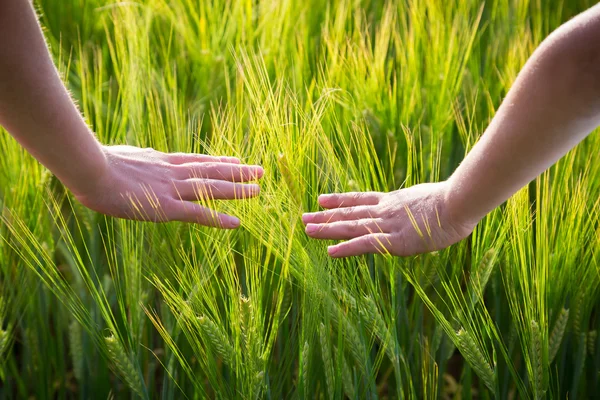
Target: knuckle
x=354, y=226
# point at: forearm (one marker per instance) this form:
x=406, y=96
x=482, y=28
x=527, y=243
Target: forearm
x=36, y=108
x=553, y=105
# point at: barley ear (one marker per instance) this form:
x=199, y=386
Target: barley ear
x=537, y=361
x=327, y=361
x=289, y=180
x=474, y=356
x=347, y=377
x=556, y=336
x=305, y=366
x=371, y=314
x=123, y=365
x=591, y=341
x=4, y=339
x=76, y=347
x=218, y=339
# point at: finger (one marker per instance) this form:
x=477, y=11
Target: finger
x=350, y=199
x=187, y=211
x=374, y=244
x=340, y=214
x=222, y=171
x=196, y=189
x=345, y=229
x=183, y=158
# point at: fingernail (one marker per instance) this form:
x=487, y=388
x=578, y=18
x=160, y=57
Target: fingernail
x=233, y=222
x=324, y=197
x=310, y=228
x=331, y=250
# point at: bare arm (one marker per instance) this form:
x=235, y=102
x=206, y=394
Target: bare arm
x=553, y=105
x=37, y=110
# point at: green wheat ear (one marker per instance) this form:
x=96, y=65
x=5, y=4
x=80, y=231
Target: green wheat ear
x=591, y=341
x=305, y=366
x=351, y=335
x=123, y=365
x=473, y=354
x=481, y=276
x=327, y=361
x=76, y=343
x=4, y=339
x=558, y=331
x=218, y=339
x=347, y=379
x=537, y=360
x=371, y=314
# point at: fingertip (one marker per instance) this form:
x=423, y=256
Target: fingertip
x=251, y=190
x=333, y=251
x=307, y=217
x=230, y=222
x=324, y=199
x=310, y=228
x=259, y=171
x=231, y=160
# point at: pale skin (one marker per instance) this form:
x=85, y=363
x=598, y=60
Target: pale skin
x=121, y=181
x=553, y=105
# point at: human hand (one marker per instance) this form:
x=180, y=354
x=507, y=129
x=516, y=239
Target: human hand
x=148, y=185
x=403, y=222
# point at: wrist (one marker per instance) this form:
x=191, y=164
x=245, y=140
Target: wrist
x=458, y=210
x=85, y=168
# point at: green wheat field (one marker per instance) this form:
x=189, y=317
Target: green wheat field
x=328, y=96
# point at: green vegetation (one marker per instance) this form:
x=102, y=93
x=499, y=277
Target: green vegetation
x=356, y=95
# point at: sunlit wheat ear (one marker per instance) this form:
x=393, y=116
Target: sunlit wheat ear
x=558, y=331
x=481, y=276
x=218, y=339
x=327, y=360
x=123, y=365
x=247, y=323
x=289, y=179
x=76, y=343
x=473, y=354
